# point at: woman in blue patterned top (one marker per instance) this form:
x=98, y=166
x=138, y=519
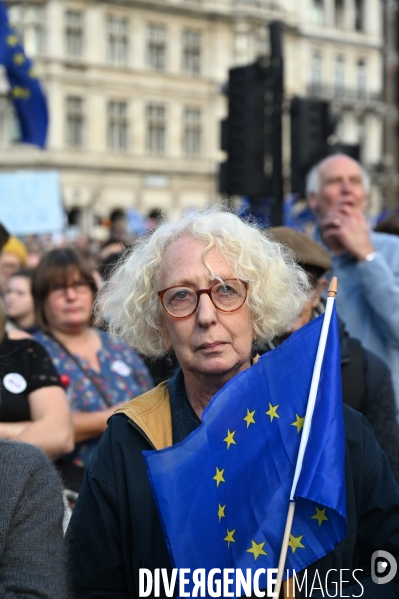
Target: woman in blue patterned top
x=98, y=373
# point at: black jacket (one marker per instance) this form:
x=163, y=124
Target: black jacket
x=115, y=528
x=367, y=387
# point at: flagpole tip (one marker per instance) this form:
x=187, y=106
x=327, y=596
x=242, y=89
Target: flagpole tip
x=333, y=288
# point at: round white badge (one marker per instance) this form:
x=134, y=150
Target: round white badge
x=120, y=367
x=14, y=382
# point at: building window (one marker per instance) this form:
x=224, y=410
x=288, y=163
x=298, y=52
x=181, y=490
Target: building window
x=74, y=33
x=192, y=52
x=339, y=75
x=10, y=130
x=118, y=127
x=241, y=48
x=28, y=20
x=3, y=121
x=315, y=70
x=317, y=12
x=262, y=42
x=74, y=121
x=156, y=129
x=361, y=78
x=339, y=14
x=359, y=15
x=15, y=133
x=361, y=130
x=156, y=47
x=192, y=141
x=117, y=40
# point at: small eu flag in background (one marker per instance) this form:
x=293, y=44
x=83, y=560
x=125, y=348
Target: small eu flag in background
x=223, y=493
x=26, y=93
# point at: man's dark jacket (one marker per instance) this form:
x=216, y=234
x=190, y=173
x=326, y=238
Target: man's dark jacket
x=115, y=529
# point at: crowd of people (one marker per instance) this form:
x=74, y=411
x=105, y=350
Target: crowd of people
x=108, y=351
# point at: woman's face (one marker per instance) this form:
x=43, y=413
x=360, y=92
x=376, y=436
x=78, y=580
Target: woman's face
x=9, y=263
x=208, y=342
x=18, y=298
x=68, y=307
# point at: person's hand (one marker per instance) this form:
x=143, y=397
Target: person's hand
x=345, y=228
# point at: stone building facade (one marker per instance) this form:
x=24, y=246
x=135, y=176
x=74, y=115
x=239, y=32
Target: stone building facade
x=389, y=175
x=135, y=90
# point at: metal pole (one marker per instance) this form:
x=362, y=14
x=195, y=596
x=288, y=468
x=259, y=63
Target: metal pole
x=277, y=68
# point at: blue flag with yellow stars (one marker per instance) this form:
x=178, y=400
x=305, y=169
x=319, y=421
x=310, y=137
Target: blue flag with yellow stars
x=223, y=492
x=26, y=93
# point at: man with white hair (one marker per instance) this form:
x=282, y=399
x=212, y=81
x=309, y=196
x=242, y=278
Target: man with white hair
x=366, y=263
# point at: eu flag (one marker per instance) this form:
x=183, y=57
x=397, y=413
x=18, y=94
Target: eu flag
x=26, y=93
x=223, y=492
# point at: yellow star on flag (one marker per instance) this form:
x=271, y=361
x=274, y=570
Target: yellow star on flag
x=18, y=58
x=219, y=476
x=230, y=537
x=272, y=412
x=257, y=549
x=221, y=511
x=320, y=515
x=299, y=422
x=249, y=418
x=295, y=542
x=20, y=92
x=230, y=438
x=32, y=74
x=12, y=40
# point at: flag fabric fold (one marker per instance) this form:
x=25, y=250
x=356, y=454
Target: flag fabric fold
x=26, y=93
x=223, y=493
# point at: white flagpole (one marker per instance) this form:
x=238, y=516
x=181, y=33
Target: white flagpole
x=332, y=292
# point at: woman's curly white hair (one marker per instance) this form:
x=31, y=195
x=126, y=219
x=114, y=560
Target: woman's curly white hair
x=277, y=289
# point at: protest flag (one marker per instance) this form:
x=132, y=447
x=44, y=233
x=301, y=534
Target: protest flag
x=26, y=93
x=300, y=477
x=222, y=493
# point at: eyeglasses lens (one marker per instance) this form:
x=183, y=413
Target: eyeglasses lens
x=228, y=296
x=78, y=286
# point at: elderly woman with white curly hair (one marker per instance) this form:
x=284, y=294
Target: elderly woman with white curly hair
x=206, y=288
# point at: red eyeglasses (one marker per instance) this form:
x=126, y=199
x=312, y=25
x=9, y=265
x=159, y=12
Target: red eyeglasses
x=180, y=301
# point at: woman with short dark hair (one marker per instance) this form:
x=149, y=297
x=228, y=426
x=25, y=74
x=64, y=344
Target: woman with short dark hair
x=99, y=374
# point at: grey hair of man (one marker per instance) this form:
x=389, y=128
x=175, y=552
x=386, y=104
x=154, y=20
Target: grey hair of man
x=313, y=179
